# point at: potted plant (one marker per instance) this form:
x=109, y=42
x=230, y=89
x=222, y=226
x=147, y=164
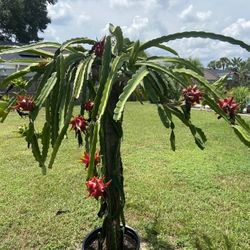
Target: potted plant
x=101, y=78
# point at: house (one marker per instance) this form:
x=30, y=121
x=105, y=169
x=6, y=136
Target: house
x=17, y=61
x=212, y=75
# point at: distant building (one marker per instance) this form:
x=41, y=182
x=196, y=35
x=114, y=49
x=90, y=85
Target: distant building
x=212, y=75
x=16, y=61
x=13, y=61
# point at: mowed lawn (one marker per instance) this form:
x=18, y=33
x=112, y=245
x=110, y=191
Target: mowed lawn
x=188, y=199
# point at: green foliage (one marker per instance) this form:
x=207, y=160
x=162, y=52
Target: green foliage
x=93, y=144
x=244, y=137
x=22, y=20
x=212, y=64
x=241, y=95
x=117, y=32
x=78, y=41
x=22, y=130
x=222, y=63
x=107, y=74
x=19, y=82
x=163, y=116
x=45, y=90
x=104, y=75
x=16, y=75
x=45, y=141
x=37, y=48
x=77, y=67
x=5, y=107
x=166, y=48
x=63, y=131
x=82, y=73
x=128, y=90
x=117, y=62
x=225, y=63
x=198, y=192
x=239, y=70
x=188, y=34
x=177, y=62
x=196, y=62
x=236, y=62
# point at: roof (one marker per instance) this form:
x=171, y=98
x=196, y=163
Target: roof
x=220, y=72
x=210, y=75
x=9, y=43
x=21, y=55
x=16, y=56
x=215, y=74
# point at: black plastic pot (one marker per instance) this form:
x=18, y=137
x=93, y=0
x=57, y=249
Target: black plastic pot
x=92, y=236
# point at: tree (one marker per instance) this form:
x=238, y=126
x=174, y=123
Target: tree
x=243, y=74
x=224, y=62
x=196, y=62
x=21, y=20
x=218, y=64
x=212, y=64
x=236, y=63
x=107, y=74
x=240, y=70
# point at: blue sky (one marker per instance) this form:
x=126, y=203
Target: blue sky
x=148, y=19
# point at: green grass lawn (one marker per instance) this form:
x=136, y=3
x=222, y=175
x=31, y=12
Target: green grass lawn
x=188, y=199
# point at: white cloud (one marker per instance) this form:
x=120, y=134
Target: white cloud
x=132, y=31
x=239, y=29
x=50, y=34
x=142, y=19
x=138, y=25
x=151, y=4
x=206, y=49
x=203, y=16
x=82, y=18
x=63, y=12
x=173, y=3
x=189, y=15
x=131, y=3
x=59, y=11
x=121, y=3
x=147, y=19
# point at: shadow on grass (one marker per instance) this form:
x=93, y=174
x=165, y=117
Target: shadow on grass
x=198, y=241
x=201, y=242
x=152, y=231
x=204, y=242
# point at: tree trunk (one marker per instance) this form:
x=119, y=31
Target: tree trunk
x=111, y=134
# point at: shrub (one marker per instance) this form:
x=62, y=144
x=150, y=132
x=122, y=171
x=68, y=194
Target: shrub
x=241, y=95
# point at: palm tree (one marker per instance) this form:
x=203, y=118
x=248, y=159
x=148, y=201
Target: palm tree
x=107, y=74
x=224, y=62
x=240, y=70
x=236, y=63
x=212, y=64
x=218, y=64
x=243, y=73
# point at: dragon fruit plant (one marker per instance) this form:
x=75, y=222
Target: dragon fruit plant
x=101, y=76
